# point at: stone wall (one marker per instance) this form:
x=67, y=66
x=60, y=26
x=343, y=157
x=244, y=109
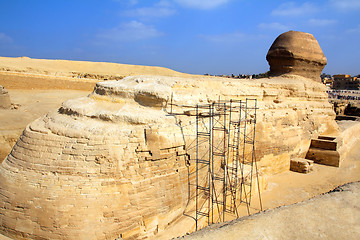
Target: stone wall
x=116, y=162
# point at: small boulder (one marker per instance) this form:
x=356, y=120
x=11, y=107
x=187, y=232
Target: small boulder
x=301, y=165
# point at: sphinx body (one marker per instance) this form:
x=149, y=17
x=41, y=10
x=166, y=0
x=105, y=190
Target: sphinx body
x=114, y=164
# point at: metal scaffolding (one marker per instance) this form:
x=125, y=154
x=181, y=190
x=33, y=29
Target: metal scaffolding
x=225, y=164
x=225, y=158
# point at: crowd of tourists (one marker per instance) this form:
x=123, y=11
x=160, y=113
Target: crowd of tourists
x=344, y=94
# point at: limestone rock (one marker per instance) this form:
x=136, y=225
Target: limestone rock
x=301, y=165
x=4, y=98
x=296, y=53
x=325, y=157
x=118, y=159
x=117, y=163
x=324, y=151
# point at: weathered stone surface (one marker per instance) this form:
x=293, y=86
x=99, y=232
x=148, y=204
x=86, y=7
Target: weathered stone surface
x=301, y=165
x=348, y=137
x=324, y=144
x=323, y=156
x=116, y=163
x=296, y=53
x=4, y=98
x=324, y=150
x=110, y=165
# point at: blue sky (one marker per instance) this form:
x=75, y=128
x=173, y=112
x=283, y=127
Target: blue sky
x=193, y=36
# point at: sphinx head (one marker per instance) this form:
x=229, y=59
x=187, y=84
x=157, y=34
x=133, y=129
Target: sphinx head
x=296, y=53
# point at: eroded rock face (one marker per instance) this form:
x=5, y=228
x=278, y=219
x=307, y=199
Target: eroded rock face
x=296, y=53
x=115, y=163
x=4, y=98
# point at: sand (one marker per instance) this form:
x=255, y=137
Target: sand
x=334, y=215
x=28, y=73
x=80, y=69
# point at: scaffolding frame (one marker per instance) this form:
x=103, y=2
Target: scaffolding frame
x=225, y=163
x=227, y=128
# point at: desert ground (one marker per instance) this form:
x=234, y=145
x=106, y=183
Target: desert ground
x=36, y=88
x=334, y=215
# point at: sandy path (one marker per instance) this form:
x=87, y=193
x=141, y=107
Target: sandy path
x=2, y=237
x=292, y=187
x=335, y=215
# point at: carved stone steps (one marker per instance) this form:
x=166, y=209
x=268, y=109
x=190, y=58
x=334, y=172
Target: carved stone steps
x=324, y=151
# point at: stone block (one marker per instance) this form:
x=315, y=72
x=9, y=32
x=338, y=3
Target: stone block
x=323, y=156
x=301, y=165
x=323, y=144
x=327, y=138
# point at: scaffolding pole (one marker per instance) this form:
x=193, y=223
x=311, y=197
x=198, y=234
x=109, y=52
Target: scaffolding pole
x=225, y=159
